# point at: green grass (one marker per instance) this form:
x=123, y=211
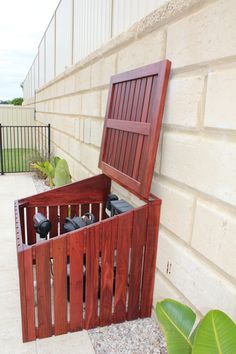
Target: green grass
x=19, y=160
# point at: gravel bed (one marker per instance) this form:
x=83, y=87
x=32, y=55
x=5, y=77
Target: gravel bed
x=133, y=337
x=39, y=183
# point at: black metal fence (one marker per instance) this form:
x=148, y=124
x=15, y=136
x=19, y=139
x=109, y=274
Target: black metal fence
x=22, y=145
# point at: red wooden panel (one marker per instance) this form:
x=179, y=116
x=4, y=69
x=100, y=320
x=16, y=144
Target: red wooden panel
x=25, y=265
x=109, y=235
x=42, y=210
x=95, y=211
x=92, y=258
x=150, y=258
x=84, y=208
x=76, y=280
x=42, y=253
x=22, y=223
x=53, y=217
x=132, y=126
x=63, y=216
x=74, y=210
x=124, y=231
x=139, y=231
x=60, y=285
x=31, y=234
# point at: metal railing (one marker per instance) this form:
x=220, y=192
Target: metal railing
x=22, y=145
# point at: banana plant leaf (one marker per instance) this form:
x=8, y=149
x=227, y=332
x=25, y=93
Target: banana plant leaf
x=62, y=174
x=216, y=334
x=177, y=321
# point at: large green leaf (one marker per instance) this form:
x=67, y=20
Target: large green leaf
x=216, y=334
x=62, y=174
x=177, y=322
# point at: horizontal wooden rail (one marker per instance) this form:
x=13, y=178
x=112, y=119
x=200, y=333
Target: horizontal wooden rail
x=133, y=127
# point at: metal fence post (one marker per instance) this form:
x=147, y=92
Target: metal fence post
x=1, y=150
x=49, y=141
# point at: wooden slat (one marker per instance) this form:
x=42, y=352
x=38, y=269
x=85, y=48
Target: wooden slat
x=92, y=256
x=84, y=208
x=42, y=253
x=95, y=211
x=127, y=117
x=22, y=223
x=74, y=210
x=143, y=119
x=27, y=295
x=150, y=259
x=109, y=234
x=43, y=210
x=63, y=216
x=31, y=234
x=110, y=112
x=60, y=285
x=133, y=127
x=124, y=232
x=53, y=217
x=76, y=280
x=139, y=230
x=114, y=134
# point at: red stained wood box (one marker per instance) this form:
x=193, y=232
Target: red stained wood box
x=111, y=264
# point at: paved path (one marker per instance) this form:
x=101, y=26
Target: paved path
x=14, y=187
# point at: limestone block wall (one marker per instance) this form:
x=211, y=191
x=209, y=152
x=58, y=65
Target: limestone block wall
x=195, y=172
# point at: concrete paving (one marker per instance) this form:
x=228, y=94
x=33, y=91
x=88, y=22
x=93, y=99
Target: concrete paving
x=15, y=186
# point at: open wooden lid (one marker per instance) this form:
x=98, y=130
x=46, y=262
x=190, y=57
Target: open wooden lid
x=132, y=126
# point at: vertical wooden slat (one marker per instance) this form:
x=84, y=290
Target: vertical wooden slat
x=120, y=116
x=114, y=133
x=60, y=284
x=74, y=210
x=31, y=234
x=109, y=234
x=27, y=295
x=95, y=211
x=22, y=223
x=124, y=232
x=84, y=208
x=137, y=244
x=92, y=269
x=53, y=217
x=42, y=253
x=150, y=259
x=42, y=210
x=143, y=119
x=63, y=215
x=76, y=280
x=112, y=108
x=133, y=137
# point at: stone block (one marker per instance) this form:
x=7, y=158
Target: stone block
x=82, y=79
x=183, y=102
x=176, y=210
x=146, y=50
x=214, y=235
x=206, y=35
x=204, y=163
x=102, y=71
x=91, y=104
x=220, y=99
x=205, y=288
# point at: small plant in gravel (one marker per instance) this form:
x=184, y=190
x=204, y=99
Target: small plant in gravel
x=214, y=334
x=57, y=171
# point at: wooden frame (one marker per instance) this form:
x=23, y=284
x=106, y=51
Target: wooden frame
x=118, y=253
x=103, y=273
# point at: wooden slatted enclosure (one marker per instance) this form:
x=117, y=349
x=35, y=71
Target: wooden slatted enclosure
x=102, y=273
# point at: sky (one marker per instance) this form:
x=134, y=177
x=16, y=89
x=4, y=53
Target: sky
x=22, y=25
